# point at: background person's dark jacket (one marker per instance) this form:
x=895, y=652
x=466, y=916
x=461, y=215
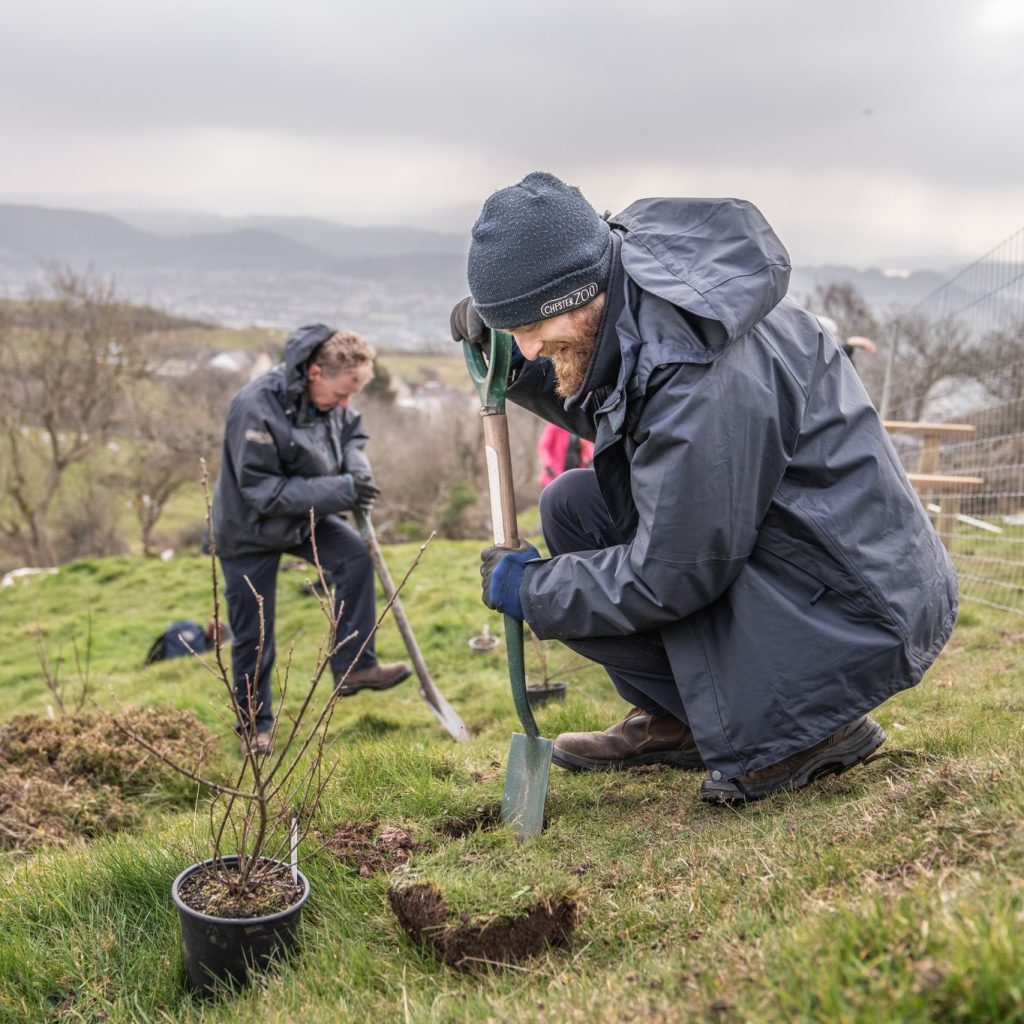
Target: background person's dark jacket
x=282, y=457
x=774, y=538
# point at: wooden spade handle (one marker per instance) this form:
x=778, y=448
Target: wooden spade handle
x=499, y=480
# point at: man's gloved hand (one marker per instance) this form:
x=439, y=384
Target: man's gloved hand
x=367, y=491
x=501, y=570
x=467, y=326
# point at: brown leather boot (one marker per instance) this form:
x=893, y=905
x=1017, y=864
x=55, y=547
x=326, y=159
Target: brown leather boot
x=261, y=745
x=379, y=677
x=831, y=756
x=639, y=738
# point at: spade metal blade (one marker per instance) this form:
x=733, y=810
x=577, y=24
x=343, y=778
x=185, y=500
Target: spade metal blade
x=526, y=784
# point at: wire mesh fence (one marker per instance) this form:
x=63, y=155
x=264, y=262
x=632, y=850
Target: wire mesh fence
x=957, y=358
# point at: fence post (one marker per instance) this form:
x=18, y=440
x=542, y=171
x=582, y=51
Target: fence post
x=890, y=362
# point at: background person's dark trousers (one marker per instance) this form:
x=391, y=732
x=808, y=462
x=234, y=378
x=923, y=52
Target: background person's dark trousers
x=346, y=566
x=574, y=517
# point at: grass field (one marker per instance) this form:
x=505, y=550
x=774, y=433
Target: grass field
x=891, y=893
x=447, y=368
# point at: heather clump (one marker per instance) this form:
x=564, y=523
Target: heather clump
x=74, y=777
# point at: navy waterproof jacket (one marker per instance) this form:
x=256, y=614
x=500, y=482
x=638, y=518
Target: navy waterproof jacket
x=774, y=539
x=282, y=457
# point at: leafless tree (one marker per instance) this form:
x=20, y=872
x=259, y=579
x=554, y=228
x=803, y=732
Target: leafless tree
x=171, y=425
x=926, y=355
x=249, y=811
x=431, y=470
x=1002, y=371
x=843, y=302
x=847, y=306
x=69, y=697
x=67, y=361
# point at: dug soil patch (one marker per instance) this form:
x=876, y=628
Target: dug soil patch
x=496, y=941
x=369, y=846
x=78, y=776
x=455, y=827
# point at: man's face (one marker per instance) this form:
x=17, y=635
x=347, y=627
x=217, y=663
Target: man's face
x=568, y=340
x=327, y=393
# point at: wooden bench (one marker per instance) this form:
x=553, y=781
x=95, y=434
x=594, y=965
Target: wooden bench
x=925, y=478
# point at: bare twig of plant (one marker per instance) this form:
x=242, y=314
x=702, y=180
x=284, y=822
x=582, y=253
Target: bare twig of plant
x=572, y=664
x=69, y=699
x=250, y=813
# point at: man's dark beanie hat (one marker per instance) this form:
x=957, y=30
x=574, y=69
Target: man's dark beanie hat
x=538, y=249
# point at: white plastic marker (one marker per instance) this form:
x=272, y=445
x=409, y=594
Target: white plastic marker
x=295, y=849
x=969, y=520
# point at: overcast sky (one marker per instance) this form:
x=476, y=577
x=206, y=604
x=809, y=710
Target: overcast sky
x=868, y=131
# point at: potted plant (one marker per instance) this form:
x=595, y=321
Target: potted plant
x=547, y=683
x=240, y=907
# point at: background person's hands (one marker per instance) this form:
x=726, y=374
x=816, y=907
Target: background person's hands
x=367, y=491
x=866, y=344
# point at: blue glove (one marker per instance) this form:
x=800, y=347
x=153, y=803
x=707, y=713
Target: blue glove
x=501, y=570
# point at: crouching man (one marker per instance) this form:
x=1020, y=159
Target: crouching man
x=746, y=557
x=293, y=443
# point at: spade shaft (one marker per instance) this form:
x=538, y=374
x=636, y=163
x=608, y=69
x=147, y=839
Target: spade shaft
x=446, y=714
x=529, y=758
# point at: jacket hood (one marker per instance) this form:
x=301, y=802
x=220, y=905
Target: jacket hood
x=717, y=258
x=297, y=351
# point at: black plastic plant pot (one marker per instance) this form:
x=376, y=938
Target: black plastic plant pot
x=541, y=693
x=224, y=951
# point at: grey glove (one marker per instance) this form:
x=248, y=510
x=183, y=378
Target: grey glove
x=466, y=325
x=367, y=491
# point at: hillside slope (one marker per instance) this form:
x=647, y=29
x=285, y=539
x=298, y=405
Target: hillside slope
x=893, y=892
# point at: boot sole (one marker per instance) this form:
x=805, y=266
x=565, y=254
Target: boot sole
x=830, y=761
x=576, y=763
x=258, y=750
x=347, y=691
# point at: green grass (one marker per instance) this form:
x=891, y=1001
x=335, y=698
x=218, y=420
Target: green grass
x=891, y=893
x=217, y=338
x=448, y=368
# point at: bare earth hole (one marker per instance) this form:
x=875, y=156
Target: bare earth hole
x=455, y=827
x=369, y=846
x=493, y=942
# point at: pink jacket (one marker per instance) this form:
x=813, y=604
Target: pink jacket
x=554, y=448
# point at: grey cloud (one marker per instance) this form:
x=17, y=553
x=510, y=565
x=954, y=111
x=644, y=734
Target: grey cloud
x=904, y=97
x=664, y=80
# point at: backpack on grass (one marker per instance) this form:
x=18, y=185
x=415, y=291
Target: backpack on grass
x=177, y=638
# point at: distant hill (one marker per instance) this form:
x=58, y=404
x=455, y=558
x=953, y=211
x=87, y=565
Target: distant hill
x=883, y=292
x=340, y=240
x=31, y=234
x=395, y=284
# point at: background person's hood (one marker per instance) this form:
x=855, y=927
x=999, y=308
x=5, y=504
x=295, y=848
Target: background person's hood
x=717, y=258
x=297, y=351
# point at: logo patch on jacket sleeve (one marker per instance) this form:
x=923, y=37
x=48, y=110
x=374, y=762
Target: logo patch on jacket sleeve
x=258, y=437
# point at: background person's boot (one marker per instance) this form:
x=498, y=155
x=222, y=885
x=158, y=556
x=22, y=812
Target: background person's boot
x=261, y=745
x=377, y=677
x=640, y=738
x=831, y=756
